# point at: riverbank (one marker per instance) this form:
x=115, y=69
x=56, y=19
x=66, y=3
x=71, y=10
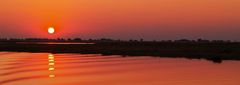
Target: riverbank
x=210, y=51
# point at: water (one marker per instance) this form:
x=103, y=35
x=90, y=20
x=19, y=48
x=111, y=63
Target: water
x=94, y=69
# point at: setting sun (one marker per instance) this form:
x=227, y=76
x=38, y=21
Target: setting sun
x=51, y=30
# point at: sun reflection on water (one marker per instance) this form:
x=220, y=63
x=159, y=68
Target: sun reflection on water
x=51, y=65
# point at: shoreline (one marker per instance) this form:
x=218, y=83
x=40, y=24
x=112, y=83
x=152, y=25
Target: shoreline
x=215, y=52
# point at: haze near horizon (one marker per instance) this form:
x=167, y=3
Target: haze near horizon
x=121, y=19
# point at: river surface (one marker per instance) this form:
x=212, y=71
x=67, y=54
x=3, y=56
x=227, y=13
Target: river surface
x=95, y=69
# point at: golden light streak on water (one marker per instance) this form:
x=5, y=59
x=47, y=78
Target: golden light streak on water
x=51, y=65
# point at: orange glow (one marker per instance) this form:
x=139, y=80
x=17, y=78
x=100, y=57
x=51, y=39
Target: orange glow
x=51, y=64
x=51, y=69
x=51, y=76
x=122, y=19
x=51, y=60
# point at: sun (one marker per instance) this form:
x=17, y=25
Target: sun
x=51, y=30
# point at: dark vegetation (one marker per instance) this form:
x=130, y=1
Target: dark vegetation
x=215, y=50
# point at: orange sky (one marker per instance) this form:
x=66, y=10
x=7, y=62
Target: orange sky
x=121, y=19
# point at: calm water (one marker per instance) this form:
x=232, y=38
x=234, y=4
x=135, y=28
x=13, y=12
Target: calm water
x=92, y=69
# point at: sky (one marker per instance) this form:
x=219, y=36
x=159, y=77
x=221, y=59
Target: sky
x=121, y=19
